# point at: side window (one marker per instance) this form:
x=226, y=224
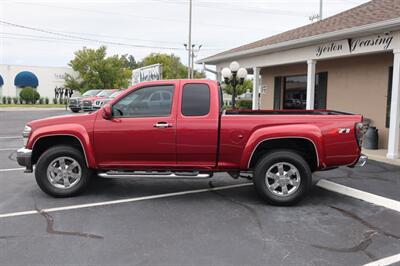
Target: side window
x=195, y=100
x=145, y=102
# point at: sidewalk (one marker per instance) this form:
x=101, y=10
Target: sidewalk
x=380, y=156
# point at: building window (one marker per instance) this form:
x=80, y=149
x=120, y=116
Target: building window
x=295, y=91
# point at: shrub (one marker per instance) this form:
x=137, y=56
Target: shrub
x=4, y=100
x=55, y=100
x=15, y=100
x=20, y=101
x=29, y=95
x=46, y=100
x=9, y=100
x=41, y=100
x=244, y=104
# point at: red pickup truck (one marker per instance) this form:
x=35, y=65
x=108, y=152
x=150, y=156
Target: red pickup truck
x=179, y=129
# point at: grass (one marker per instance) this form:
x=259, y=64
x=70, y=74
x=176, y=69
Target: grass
x=34, y=105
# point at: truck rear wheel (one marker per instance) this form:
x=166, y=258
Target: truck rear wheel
x=282, y=177
x=61, y=172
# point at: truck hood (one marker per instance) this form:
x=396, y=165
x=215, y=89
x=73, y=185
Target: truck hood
x=83, y=119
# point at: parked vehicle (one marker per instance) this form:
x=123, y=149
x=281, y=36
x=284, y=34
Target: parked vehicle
x=178, y=129
x=100, y=102
x=87, y=102
x=75, y=103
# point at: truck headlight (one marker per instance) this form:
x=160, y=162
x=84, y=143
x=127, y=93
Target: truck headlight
x=26, y=133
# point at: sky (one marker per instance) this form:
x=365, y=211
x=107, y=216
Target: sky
x=46, y=33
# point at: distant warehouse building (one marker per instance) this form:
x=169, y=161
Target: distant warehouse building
x=13, y=78
x=348, y=62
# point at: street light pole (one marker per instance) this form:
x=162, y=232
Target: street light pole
x=190, y=39
x=231, y=76
x=194, y=51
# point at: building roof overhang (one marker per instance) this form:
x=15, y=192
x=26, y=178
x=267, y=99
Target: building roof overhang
x=373, y=28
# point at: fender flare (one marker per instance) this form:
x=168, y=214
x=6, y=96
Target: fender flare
x=77, y=131
x=298, y=131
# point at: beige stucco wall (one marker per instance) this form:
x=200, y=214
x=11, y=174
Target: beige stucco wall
x=356, y=84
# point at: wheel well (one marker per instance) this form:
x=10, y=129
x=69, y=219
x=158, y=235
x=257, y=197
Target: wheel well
x=304, y=147
x=44, y=143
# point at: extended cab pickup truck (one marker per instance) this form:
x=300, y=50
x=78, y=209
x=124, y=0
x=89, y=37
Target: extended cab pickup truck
x=178, y=128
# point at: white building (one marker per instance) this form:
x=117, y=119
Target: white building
x=45, y=79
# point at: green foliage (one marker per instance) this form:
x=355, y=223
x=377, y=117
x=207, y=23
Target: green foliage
x=15, y=100
x=4, y=100
x=129, y=61
x=41, y=100
x=97, y=71
x=46, y=100
x=240, y=89
x=171, y=64
x=29, y=95
x=55, y=100
x=9, y=100
x=244, y=104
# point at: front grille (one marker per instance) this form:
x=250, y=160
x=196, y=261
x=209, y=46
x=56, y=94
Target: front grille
x=87, y=103
x=73, y=101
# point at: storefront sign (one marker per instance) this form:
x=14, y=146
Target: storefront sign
x=332, y=49
x=148, y=73
x=373, y=43
x=377, y=42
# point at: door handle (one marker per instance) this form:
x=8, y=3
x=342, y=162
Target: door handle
x=162, y=125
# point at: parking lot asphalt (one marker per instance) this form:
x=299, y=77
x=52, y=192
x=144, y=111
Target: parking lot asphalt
x=230, y=226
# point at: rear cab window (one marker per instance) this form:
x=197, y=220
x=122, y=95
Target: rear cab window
x=195, y=100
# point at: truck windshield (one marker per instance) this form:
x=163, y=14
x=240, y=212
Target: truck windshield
x=91, y=93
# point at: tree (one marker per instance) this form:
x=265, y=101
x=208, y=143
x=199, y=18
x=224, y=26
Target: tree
x=29, y=95
x=240, y=89
x=97, y=71
x=172, y=66
x=129, y=61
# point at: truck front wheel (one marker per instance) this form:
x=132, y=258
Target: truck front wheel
x=61, y=171
x=282, y=177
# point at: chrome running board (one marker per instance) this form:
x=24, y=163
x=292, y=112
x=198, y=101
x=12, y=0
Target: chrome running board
x=155, y=175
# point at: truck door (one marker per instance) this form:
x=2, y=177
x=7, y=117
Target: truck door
x=197, y=125
x=142, y=130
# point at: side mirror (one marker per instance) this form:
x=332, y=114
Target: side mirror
x=107, y=114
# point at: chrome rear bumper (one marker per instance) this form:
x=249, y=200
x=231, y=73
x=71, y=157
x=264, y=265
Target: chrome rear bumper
x=362, y=160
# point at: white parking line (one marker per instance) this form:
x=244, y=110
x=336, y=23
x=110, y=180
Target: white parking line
x=385, y=261
x=9, y=149
x=359, y=194
x=11, y=169
x=113, y=202
x=10, y=137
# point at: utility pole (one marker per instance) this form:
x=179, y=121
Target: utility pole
x=194, y=50
x=320, y=10
x=190, y=39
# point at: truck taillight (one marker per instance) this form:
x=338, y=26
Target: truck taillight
x=359, y=130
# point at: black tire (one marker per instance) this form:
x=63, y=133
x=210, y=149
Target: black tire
x=288, y=157
x=53, y=153
x=75, y=110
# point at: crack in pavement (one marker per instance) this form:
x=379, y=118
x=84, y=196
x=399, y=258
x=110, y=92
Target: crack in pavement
x=367, y=224
x=251, y=210
x=365, y=241
x=10, y=156
x=50, y=227
x=361, y=246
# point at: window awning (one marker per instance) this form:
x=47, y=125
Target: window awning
x=26, y=79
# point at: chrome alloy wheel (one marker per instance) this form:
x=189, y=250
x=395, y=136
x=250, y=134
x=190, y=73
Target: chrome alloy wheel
x=282, y=179
x=64, y=172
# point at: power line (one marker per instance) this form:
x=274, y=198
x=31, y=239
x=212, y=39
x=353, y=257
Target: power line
x=89, y=39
